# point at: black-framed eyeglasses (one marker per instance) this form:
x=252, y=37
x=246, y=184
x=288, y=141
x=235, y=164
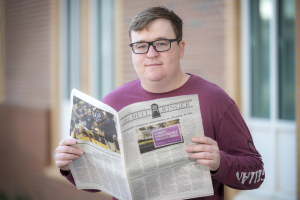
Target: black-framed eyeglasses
x=159, y=45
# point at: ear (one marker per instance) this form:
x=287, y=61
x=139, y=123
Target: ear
x=181, y=48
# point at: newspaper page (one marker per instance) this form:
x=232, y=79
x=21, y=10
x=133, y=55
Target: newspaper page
x=96, y=128
x=155, y=135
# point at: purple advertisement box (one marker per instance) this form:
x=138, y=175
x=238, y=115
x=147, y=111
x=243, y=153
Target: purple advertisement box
x=167, y=136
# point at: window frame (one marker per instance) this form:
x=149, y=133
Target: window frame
x=277, y=131
x=68, y=75
x=246, y=69
x=100, y=50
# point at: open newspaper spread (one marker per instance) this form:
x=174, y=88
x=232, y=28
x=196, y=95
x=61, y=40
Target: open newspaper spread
x=139, y=152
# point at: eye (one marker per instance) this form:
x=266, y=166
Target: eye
x=162, y=43
x=140, y=46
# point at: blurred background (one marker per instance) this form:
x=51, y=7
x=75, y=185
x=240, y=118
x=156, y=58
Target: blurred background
x=250, y=48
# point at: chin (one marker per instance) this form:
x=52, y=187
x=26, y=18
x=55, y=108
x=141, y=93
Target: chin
x=155, y=77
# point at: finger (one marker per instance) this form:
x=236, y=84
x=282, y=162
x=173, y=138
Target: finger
x=204, y=155
x=63, y=164
x=67, y=142
x=204, y=140
x=65, y=156
x=203, y=148
x=200, y=148
x=69, y=150
x=208, y=163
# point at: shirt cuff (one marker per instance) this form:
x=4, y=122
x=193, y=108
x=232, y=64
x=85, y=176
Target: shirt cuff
x=68, y=176
x=221, y=173
x=64, y=173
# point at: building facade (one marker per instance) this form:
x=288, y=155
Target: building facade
x=248, y=48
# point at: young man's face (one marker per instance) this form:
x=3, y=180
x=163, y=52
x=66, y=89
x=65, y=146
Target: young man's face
x=156, y=66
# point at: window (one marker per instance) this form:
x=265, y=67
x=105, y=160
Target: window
x=268, y=64
x=74, y=37
x=70, y=58
x=260, y=43
x=260, y=54
x=286, y=63
x=102, y=41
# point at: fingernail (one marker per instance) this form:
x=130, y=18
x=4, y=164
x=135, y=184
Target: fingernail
x=193, y=139
x=188, y=149
x=80, y=152
x=73, y=141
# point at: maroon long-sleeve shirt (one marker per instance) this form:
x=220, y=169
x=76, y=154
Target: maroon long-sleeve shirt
x=241, y=166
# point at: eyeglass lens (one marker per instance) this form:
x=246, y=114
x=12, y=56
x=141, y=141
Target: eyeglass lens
x=159, y=45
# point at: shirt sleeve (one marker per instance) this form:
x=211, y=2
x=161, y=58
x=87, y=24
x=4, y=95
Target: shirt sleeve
x=70, y=178
x=241, y=165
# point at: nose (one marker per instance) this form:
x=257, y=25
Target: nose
x=152, y=52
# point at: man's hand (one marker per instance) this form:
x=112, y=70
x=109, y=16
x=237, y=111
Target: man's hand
x=206, y=152
x=65, y=154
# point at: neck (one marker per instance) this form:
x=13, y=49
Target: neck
x=167, y=84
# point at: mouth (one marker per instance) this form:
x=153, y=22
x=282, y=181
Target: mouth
x=153, y=64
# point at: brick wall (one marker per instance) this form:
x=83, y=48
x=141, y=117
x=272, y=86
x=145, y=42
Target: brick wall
x=203, y=32
x=24, y=148
x=27, y=56
x=25, y=115
x=2, y=80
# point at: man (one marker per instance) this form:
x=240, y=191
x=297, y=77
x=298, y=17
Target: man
x=89, y=119
x=108, y=128
x=99, y=116
x=97, y=131
x=157, y=47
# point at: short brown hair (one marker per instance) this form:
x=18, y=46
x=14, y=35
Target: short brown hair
x=143, y=19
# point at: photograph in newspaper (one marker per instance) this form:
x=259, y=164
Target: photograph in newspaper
x=89, y=123
x=159, y=135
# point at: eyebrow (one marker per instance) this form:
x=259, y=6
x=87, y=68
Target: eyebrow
x=159, y=38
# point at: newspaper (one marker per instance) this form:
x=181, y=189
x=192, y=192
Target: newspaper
x=139, y=152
